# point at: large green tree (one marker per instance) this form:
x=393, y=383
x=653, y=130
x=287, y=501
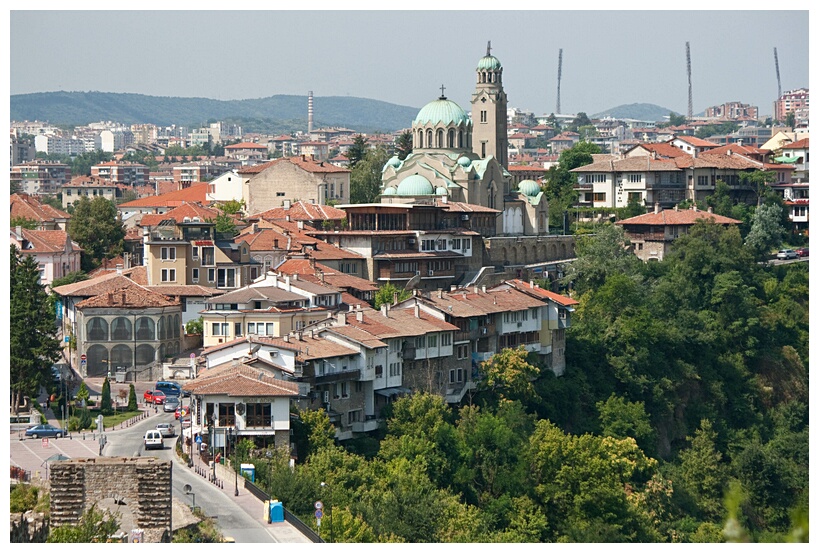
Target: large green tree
x=559, y=181
x=97, y=228
x=357, y=150
x=365, y=177
x=403, y=145
x=33, y=344
x=386, y=294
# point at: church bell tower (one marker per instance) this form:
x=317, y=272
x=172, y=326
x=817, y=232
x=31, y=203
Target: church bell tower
x=489, y=136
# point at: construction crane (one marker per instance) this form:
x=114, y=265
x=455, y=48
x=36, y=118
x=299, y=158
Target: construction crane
x=778, y=82
x=688, y=62
x=559, y=72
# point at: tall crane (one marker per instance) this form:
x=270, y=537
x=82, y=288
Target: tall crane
x=778, y=82
x=559, y=73
x=688, y=62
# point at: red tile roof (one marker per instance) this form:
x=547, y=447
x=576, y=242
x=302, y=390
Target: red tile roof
x=799, y=144
x=662, y=149
x=129, y=296
x=673, y=217
x=302, y=162
x=47, y=241
x=694, y=141
x=178, y=214
x=246, y=146
x=534, y=289
x=196, y=192
x=302, y=211
x=85, y=181
x=241, y=381
x=28, y=207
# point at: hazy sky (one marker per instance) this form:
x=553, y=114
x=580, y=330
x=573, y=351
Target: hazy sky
x=403, y=57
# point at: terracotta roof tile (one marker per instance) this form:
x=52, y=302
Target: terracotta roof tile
x=194, y=193
x=178, y=214
x=241, y=381
x=534, y=289
x=129, y=296
x=47, y=241
x=694, y=141
x=306, y=164
x=246, y=146
x=29, y=207
x=302, y=211
x=675, y=217
x=799, y=144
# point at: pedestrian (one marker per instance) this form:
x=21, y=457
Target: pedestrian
x=48, y=404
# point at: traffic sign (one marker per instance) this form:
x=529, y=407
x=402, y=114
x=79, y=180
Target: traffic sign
x=45, y=442
x=193, y=356
x=199, y=439
x=319, y=505
x=83, y=357
x=319, y=514
x=83, y=362
x=182, y=413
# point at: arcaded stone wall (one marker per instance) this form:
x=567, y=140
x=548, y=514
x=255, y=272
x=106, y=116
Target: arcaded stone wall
x=141, y=484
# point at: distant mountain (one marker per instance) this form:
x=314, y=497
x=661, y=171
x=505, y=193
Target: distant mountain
x=644, y=112
x=275, y=114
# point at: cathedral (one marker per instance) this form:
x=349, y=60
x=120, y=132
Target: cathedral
x=459, y=158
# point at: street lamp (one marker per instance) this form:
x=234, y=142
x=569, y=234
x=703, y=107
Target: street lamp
x=329, y=508
x=235, y=472
x=213, y=445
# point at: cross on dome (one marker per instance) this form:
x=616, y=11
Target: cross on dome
x=488, y=47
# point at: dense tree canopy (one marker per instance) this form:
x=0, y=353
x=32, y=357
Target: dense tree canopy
x=365, y=178
x=97, y=228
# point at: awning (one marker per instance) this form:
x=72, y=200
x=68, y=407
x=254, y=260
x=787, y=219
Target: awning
x=390, y=392
x=786, y=159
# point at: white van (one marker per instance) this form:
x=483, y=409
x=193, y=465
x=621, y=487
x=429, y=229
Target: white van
x=153, y=439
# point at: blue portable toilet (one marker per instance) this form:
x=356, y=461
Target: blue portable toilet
x=248, y=471
x=276, y=511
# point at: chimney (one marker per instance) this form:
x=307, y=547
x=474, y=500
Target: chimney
x=286, y=204
x=358, y=307
x=287, y=218
x=476, y=289
x=483, y=289
x=394, y=298
x=440, y=294
x=710, y=209
x=359, y=316
x=287, y=283
x=531, y=284
x=342, y=318
x=385, y=309
x=110, y=298
x=255, y=228
x=19, y=230
x=312, y=261
x=350, y=308
x=276, y=243
x=656, y=207
x=303, y=157
x=295, y=276
x=300, y=225
x=286, y=338
x=119, y=268
x=728, y=152
x=122, y=297
x=417, y=311
x=452, y=287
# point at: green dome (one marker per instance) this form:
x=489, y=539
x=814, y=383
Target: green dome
x=529, y=188
x=489, y=63
x=464, y=161
x=389, y=191
x=394, y=162
x=441, y=111
x=441, y=191
x=414, y=185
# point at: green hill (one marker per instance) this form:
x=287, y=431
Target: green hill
x=643, y=112
x=275, y=114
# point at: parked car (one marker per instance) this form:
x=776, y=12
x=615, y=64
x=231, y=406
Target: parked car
x=178, y=412
x=166, y=429
x=153, y=439
x=787, y=254
x=170, y=388
x=156, y=397
x=44, y=431
x=171, y=404
x=802, y=252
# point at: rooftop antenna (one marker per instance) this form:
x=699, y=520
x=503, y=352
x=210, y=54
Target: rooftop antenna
x=688, y=61
x=778, y=82
x=559, y=73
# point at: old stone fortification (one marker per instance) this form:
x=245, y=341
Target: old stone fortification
x=140, y=486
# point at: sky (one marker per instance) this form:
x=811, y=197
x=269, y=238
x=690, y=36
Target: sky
x=609, y=58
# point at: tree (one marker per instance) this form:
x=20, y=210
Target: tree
x=790, y=119
x=132, y=399
x=29, y=224
x=97, y=228
x=365, y=177
x=95, y=526
x=225, y=224
x=357, y=150
x=580, y=120
x=702, y=473
x=767, y=231
x=70, y=278
x=232, y=207
x=386, y=294
x=620, y=419
x=105, y=399
x=510, y=374
x=600, y=256
x=403, y=145
x=194, y=326
x=676, y=120
x=83, y=394
x=33, y=344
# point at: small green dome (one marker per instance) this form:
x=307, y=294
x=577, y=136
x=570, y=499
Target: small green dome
x=529, y=188
x=464, y=161
x=489, y=63
x=442, y=111
x=389, y=191
x=441, y=191
x=415, y=185
x=394, y=162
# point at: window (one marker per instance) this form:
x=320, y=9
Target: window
x=208, y=256
x=168, y=253
x=353, y=416
x=427, y=245
x=635, y=197
x=456, y=244
x=219, y=329
x=251, y=328
x=432, y=342
x=446, y=339
x=596, y=177
x=258, y=414
x=395, y=369
x=299, y=325
x=483, y=116
x=279, y=194
x=270, y=329
x=168, y=275
x=456, y=375
x=406, y=267
x=345, y=389
x=599, y=196
x=195, y=252
x=226, y=278
x=463, y=351
x=237, y=329
x=635, y=177
x=379, y=371
x=211, y=275
x=195, y=275
x=420, y=342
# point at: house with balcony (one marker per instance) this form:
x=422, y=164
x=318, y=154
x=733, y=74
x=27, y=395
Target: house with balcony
x=164, y=202
x=44, y=216
x=652, y=235
x=797, y=154
x=39, y=177
x=89, y=187
x=249, y=153
x=691, y=145
x=267, y=185
x=122, y=172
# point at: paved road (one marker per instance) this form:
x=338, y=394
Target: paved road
x=240, y=517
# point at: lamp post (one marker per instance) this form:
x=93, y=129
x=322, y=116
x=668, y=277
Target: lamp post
x=329, y=508
x=235, y=472
x=213, y=444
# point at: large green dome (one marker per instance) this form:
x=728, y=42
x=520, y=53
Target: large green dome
x=442, y=111
x=415, y=185
x=489, y=63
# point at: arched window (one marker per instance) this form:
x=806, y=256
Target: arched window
x=439, y=138
x=161, y=352
x=121, y=329
x=429, y=138
x=450, y=143
x=97, y=361
x=145, y=329
x=121, y=357
x=97, y=330
x=176, y=326
x=169, y=326
x=461, y=138
x=420, y=138
x=145, y=354
x=160, y=329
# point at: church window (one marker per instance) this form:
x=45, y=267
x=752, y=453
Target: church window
x=460, y=139
x=483, y=149
x=483, y=116
x=429, y=139
x=420, y=138
x=451, y=139
x=439, y=139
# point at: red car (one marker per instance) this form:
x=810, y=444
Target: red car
x=179, y=410
x=802, y=252
x=157, y=397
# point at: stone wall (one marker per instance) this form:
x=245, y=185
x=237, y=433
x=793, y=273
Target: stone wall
x=140, y=485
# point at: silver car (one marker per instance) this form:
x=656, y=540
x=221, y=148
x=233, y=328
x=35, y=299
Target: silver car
x=171, y=403
x=787, y=254
x=166, y=429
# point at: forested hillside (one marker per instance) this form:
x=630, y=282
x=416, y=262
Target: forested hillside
x=682, y=417
x=275, y=114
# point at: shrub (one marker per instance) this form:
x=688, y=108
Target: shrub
x=23, y=498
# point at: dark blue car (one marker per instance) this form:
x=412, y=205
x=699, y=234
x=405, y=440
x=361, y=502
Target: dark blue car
x=45, y=431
